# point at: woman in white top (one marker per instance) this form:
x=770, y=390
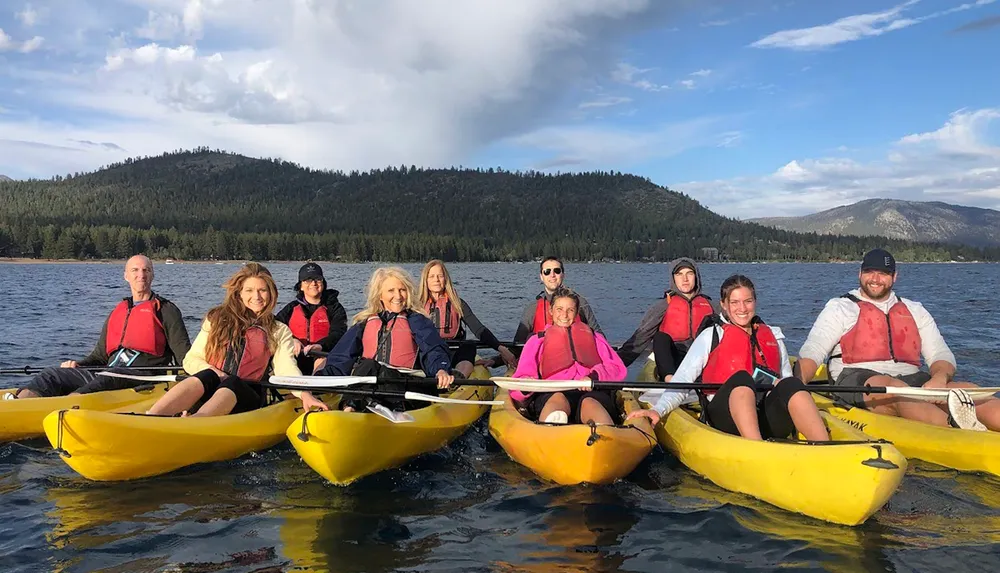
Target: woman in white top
x=737, y=354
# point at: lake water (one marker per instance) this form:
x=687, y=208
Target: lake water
x=468, y=507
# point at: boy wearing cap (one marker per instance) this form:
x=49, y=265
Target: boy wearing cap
x=316, y=317
x=875, y=338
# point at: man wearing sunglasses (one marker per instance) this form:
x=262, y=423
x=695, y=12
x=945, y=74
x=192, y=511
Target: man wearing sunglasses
x=536, y=314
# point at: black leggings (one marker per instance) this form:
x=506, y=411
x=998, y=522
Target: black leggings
x=249, y=395
x=369, y=367
x=668, y=354
x=772, y=407
x=466, y=352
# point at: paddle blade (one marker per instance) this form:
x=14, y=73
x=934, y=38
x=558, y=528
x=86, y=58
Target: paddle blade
x=320, y=381
x=534, y=385
x=441, y=400
x=154, y=378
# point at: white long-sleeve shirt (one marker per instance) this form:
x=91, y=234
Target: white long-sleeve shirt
x=692, y=366
x=840, y=315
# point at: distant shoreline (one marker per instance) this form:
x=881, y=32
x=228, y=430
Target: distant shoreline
x=27, y=261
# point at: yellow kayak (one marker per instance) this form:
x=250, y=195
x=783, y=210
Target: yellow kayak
x=22, y=418
x=843, y=481
x=964, y=450
x=346, y=446
x=110, y=446
x=573, y=453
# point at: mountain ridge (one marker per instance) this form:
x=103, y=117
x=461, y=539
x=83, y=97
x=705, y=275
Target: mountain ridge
x=921, y=221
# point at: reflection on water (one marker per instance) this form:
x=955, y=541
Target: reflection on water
x=468, y=507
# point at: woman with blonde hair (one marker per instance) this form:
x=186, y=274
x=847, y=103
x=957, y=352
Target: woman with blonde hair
x=389, y=335
x=448, y=312
x=239, y=343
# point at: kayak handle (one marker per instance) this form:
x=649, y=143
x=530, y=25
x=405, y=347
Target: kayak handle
x=879, y=462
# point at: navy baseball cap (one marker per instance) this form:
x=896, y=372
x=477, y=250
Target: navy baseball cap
x=879, y=260
x=309, y=271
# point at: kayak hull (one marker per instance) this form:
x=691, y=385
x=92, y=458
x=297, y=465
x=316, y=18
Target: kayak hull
x=963, y=450
x=569, y=454
x=346, y=446
x=843, y=481
x=21, y=419
x=110, y=446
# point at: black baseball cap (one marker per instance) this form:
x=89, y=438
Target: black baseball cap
x=309, y=271
x=879, y=260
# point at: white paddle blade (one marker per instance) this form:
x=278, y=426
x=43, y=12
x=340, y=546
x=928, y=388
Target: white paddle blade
x=441, y=400
x=321, y=381
x=154, y=378
x=939, y=394
x=535, y=385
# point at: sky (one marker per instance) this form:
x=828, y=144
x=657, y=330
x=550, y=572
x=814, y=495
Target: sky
x=752, y=107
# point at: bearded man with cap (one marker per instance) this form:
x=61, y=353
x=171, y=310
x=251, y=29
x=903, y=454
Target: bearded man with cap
x=874, y=337
x=316, y=317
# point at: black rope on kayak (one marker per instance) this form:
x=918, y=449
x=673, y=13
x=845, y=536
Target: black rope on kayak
x=594, y=436
x=651, y=439
x=303, y=436
x=879, y=462
x=59, y=435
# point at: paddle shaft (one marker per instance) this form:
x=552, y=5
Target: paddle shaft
x=372, y=392
x=29, y=370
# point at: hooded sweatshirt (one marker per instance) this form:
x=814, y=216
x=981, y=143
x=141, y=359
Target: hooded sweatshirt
x=335, y=312
x=641, y=339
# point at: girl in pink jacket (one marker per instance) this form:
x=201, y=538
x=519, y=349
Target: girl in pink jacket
x=569, y=350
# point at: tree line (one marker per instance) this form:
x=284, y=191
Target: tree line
x=205, y=204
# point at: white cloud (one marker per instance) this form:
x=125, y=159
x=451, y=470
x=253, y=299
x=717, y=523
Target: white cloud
x=630, y=75
x=5, y=41
x=687, y=84
x=956, y=163
x=31, y=45
x=28, y=16
x=702, y=73
x=857, y=27
x=605, y=101
x=328, y=84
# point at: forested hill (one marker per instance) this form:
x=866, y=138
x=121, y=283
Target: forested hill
x=204, y=204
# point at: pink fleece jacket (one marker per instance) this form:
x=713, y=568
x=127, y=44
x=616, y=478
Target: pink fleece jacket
x=610, y=369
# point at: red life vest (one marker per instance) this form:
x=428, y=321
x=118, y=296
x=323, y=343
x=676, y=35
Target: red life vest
x=309, y=330
x=445, y=316
x=879, y=337
x=736, y=351
x=683, y=316
x=542, y=316
x=390, y=342
x=136, y=327
x=562, y=347
x=250, y=358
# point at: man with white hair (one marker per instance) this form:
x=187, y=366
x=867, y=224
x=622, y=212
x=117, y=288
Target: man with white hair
x=144, y=329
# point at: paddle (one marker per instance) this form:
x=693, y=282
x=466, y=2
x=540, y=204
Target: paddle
x=331, y=383
x=534, y=385
x=416, y=396
x=29, y=370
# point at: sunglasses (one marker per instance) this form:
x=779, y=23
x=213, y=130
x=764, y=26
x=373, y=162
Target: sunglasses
x=548, y=272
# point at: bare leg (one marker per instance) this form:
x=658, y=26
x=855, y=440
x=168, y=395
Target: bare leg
x=903, y=407
x=25, y=393
x=556, y=403
x=743, y=409
x=179, y=398
x=592, y=411
x=221, y=403
x=465, y=367
x=318, y=365
x=805, y=415
x=987, y=411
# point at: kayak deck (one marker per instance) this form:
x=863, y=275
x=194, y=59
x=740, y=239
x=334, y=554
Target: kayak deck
x=346, y=446
x=109, y=446
x=963, y=450
x=570, y=454
x=842, y=481
x=21, y=419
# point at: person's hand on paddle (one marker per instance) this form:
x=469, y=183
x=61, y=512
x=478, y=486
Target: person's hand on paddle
x=508, y=357
x=297, y=345
x=68, y=364
x=309, y=402
x=653, y=415
x=311, y=348
x=445, y=379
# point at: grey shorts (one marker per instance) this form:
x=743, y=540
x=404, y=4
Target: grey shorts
x=858, y=377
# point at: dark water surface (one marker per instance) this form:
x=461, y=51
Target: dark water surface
x=468, y=507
